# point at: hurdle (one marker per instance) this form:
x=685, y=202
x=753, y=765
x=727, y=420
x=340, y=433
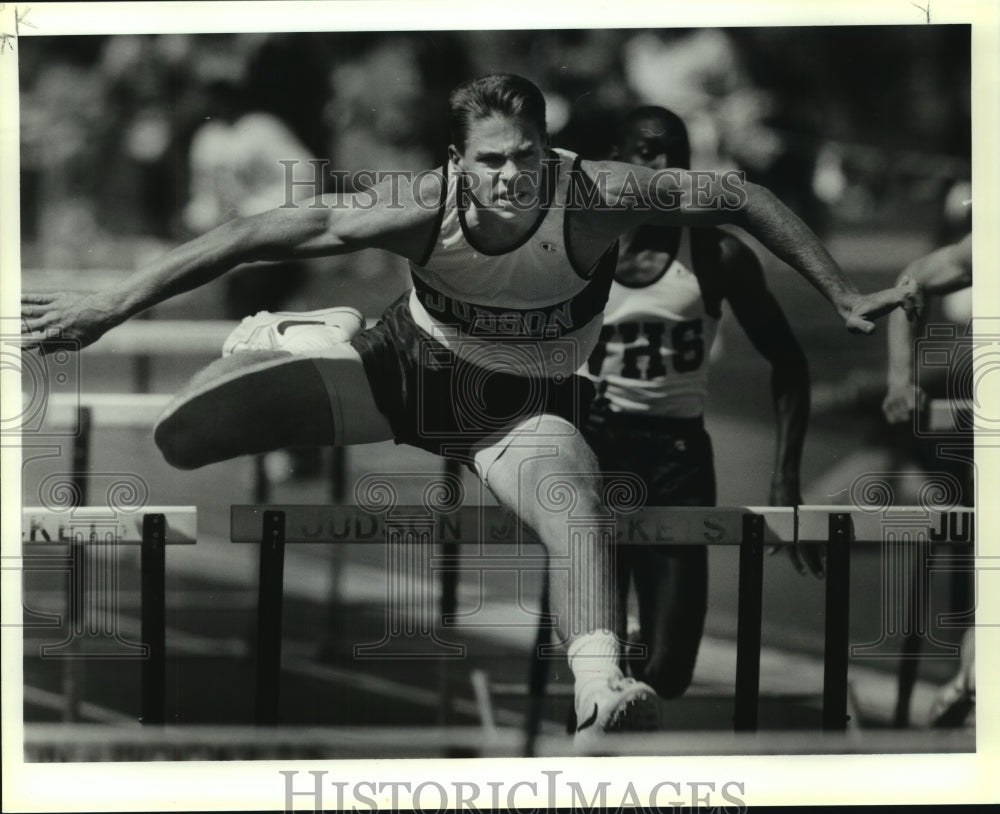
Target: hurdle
x=840, y=528
x=274, y=527
x=951, y=424
x=103, y=528
x=753, y=529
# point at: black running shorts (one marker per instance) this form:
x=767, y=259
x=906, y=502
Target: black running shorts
x=436, y=401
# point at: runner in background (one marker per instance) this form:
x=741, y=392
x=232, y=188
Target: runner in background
x=651, y=369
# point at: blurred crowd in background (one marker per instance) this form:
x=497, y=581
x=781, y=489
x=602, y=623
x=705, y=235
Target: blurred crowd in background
x=131, y=144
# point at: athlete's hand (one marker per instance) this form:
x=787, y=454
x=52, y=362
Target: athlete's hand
x=900, y=402
x=63, y=320
x=804, y=558
x=863, y=308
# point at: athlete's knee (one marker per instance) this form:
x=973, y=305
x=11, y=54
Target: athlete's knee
x=549, y=494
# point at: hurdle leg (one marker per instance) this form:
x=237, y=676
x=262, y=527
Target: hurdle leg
x=270, y=586
x=449, y=604
x=539, y=673
x=838, y=609
x=72, y=669
x=332, y=644
x=152, y=598
x=913, y=636
x=748, y=627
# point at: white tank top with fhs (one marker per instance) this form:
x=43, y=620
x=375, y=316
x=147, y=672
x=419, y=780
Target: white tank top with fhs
x=530, y=310
x=653, y=350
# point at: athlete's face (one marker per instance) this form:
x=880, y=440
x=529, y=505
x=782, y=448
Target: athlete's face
x=646, y=144
x=502, y=158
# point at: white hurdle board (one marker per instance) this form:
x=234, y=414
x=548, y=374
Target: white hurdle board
x=96, y=524
x=876, y=525
x=490, y=524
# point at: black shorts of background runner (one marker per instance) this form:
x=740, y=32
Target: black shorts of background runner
x=673, y=457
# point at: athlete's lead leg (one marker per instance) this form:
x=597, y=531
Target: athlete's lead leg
x=549, y=477
x=263, y=400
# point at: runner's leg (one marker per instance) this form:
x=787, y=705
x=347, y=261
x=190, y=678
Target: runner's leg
x=262, y=400
x=671, y=582
x=549, y=477
x=672, y=588
x=555, y=456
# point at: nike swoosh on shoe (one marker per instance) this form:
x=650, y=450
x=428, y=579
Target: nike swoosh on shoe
x=590, y=721
x=285, y=324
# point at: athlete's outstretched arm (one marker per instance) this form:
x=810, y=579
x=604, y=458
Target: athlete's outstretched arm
x=758, y=312
x=942, y=271
x=384, y=217
x=634, y=195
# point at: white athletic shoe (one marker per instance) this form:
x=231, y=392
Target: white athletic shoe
x=298, y=332
x=613, y=704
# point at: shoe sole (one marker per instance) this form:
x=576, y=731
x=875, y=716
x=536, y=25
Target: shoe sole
x=639, y=713
x=272, y=372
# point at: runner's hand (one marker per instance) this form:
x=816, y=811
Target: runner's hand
x=907, y=295
x=64, y=320
x=804, y=558
x=900, y=402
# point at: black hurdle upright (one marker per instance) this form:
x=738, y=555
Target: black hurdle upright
x=449, y=604
x=152, y=598
x=270, y=586
x=748, y=626
x=538, y=675
x=334, y=630
x=837, y=622
x=72, y=669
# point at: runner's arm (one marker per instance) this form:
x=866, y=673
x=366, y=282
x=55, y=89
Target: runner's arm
x=328, y=225
x=940, y=272
x=765, y=324
x=758, y=312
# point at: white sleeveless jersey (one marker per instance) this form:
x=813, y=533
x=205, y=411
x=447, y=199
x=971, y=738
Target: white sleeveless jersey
x=528, y=311
x=654, y=348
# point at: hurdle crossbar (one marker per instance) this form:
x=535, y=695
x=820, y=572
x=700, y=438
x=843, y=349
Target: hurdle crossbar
x=91, y=524
x=152, y=527
x=949, y=415
x=491, y=524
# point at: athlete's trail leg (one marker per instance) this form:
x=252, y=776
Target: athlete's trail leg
x=263, y=400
